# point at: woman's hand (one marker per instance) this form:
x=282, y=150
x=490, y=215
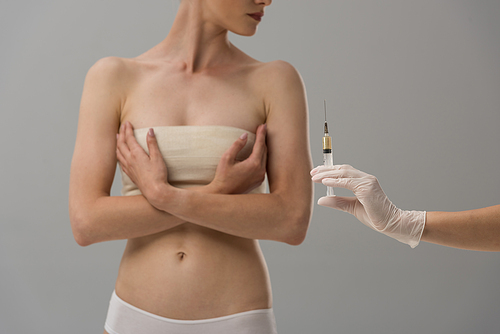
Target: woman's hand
x=240, y=177
x=148, y=172
x=371, y=206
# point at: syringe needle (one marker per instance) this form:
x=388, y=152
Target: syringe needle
x=325, y=109
x=326, y=124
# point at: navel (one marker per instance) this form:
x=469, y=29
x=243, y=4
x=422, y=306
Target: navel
x=181, y=255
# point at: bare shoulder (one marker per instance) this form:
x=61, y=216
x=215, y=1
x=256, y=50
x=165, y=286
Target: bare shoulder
x=106, y=87
x=108, y=83
x=280, y=66
x=279, y=72
x=110, y=70
x=282, y=88
x=279, y=80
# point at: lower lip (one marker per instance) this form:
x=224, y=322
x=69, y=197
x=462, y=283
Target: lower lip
x=255, y=17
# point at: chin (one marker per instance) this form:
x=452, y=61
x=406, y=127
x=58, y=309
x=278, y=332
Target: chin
x=245, y=32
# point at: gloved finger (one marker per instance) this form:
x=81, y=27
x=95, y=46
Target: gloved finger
x=335, y=168
x=318, y=178
x=346, y=204
x=346, y=183
x=154, y=150
x=339, y=173
x=322, y=168
x=314, y=170
x=230, y=155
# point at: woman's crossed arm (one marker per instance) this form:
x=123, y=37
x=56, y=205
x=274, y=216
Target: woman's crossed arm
x=284, y=213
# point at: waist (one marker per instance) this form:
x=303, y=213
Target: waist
x=191, y=272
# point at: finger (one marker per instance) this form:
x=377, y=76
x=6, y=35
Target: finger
x=346, y=204
x=346, y=183
x=264, y=151
x=323, y=168
x=121, y=144
x=322, y=175
x=132, y=143
x=264, y=143
x=259, y=149
x=120, y=157
x=230, y=155
x=328, y=174
x=314, y=171
x=122, y=162
x=320, y=168
x=154, y=150
x=263, y=159
x=339, y=173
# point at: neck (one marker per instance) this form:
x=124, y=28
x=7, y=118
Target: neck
x=195, y=42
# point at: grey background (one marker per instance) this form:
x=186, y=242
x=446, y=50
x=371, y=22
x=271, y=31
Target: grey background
x=413, y=89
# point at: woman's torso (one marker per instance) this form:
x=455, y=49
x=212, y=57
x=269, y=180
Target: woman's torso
x=191, y=272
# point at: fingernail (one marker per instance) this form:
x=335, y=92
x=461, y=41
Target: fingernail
x=244, y=136
x=117, y=135
x=151, y=132
x=265, y=126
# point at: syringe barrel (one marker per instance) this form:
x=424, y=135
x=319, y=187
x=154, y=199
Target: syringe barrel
x=328, y=162
x=328, y=159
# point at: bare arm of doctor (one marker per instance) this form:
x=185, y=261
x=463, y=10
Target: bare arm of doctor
x=95, y=215
x=477, y=229
x=284, y=213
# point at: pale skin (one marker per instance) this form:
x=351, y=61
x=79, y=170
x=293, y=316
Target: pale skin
x=477, y=229
x=191, y=253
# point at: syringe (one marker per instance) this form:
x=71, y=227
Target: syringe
x=327, y=153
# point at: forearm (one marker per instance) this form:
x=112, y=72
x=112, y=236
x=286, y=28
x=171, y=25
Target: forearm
x=474, y=229
x=121, y=217
x=254, y=216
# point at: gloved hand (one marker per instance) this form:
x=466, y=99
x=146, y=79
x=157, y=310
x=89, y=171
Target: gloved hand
x=371, y=206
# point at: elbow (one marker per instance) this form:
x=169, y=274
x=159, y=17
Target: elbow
x=81, y=240
x=296, y=227
x=80, y=225
x=295, y=239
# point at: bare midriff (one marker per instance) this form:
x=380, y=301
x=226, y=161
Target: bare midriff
x=190, y=272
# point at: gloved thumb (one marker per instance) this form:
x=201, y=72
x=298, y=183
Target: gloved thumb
x=346, y=204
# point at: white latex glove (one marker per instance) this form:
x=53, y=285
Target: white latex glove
x=371, y=206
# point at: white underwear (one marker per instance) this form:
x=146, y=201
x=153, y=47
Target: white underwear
x=124, y=318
